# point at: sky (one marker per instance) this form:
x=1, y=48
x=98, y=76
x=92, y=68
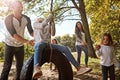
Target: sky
x=67, y=27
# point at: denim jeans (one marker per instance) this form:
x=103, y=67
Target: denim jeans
x=8, y=58
x=40, y=46
x=79, y=49
x=108, y=70
x=67, y=53
x=38, y=49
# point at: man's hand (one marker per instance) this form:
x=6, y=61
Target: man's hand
x=31, y=42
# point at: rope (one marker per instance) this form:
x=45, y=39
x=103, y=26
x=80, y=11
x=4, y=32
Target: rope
x=51, y=52
x=50, y=33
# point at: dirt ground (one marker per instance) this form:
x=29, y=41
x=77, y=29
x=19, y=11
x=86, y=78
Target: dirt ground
x=53, y=75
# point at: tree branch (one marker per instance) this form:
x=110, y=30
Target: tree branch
x=76, y=6
x=63, y=8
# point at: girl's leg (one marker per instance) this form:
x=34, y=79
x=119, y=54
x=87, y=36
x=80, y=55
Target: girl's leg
x=85, y=49
x=78, y=49
x=104, y=72
x=67, y=53
x=37, y=59
x=38, y=52
x=112, y=72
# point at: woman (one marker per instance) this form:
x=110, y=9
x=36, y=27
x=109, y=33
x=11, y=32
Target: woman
x=81, y=42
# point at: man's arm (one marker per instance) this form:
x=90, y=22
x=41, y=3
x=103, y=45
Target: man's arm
x=19, y=38
x=23, y=40
x=29, y=26
x=12, y=31
x=9, y=25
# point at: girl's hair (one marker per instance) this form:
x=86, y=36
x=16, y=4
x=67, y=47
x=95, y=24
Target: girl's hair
x=110, y=41
x=76, y=27
x=55, y=41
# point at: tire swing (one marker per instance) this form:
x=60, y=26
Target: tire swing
x=49, y=55
x=64, y=67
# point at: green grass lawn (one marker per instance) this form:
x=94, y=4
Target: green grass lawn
x=94, y=63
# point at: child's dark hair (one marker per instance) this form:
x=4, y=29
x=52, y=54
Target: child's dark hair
x=110, y=42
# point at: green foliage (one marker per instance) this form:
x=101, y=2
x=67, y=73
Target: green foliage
x=62, y=9
x=1, y=50
x=67, y=40
x=28, y=51
x=104, y=17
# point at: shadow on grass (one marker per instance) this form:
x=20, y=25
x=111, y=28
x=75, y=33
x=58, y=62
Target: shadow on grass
x=89, y=77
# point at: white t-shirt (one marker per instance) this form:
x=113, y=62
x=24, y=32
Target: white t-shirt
x=107, y=55
x=83, y=39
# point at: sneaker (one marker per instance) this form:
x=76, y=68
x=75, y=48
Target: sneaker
x=37, y=72
x=83, y=70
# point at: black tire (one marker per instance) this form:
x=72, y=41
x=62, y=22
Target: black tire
x=62, y=64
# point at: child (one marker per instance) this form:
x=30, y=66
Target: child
x=106, y=52
x=42, y=36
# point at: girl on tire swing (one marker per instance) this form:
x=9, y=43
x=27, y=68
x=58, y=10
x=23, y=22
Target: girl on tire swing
x=42, y=35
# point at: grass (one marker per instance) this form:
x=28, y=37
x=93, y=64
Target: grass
x=94, y=63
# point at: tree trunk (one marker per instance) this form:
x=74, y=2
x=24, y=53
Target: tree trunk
x=81, y=9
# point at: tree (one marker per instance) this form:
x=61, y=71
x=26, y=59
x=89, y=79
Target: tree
x=105, y=17
x=64, y=8
x=81, y=8
x=67, y=40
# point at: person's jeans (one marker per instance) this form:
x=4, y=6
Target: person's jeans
x=67, y=53
x=38, y=49
x=40, y=46
x=79, y=48
x=8, y=58
x=106, y=70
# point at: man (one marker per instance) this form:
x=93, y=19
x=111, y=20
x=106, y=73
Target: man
x=14, y=42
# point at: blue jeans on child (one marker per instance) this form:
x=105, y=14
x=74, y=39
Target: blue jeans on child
x=79, y=48
x=40, y=46
x=38, y=49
